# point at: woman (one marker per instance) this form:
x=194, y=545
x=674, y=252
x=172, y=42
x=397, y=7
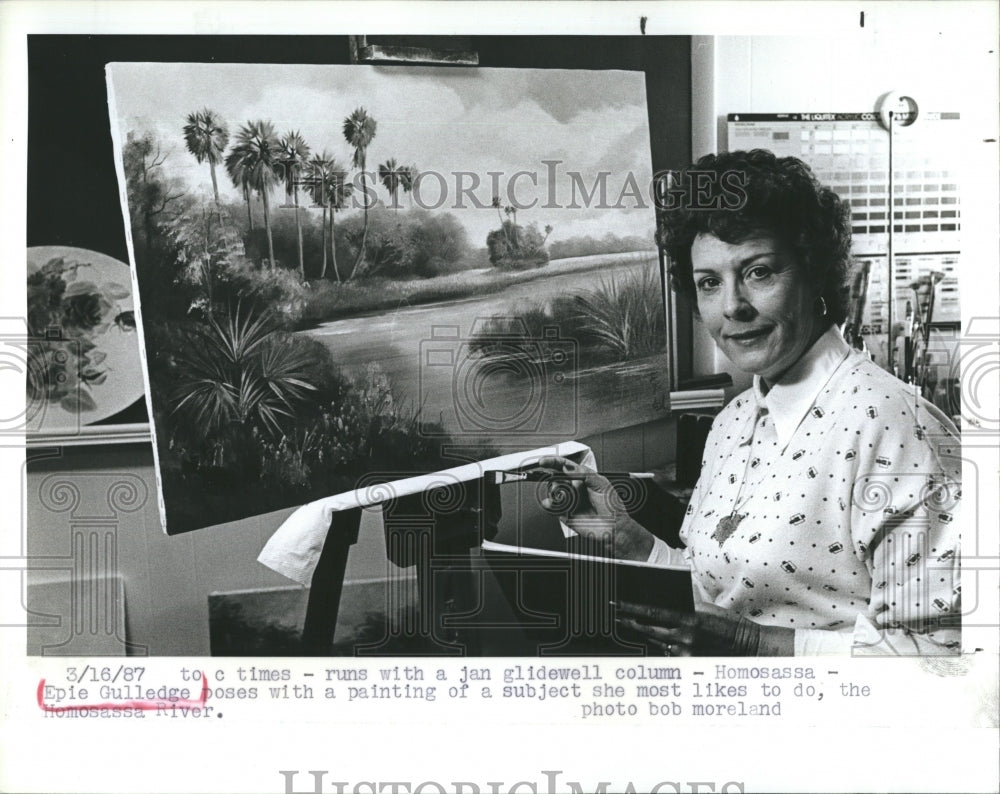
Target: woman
x=825, y=517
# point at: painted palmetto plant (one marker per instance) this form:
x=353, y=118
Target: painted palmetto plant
x=206, y=137
x=359, y=131
x=237, y=378
x=254, y=164
x=294, y=157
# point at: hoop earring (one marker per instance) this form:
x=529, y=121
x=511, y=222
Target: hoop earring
x=822, y=306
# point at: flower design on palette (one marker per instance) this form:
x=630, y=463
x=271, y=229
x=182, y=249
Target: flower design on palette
x=76, y=308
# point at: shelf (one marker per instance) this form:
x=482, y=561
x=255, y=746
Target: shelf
x=136, y=433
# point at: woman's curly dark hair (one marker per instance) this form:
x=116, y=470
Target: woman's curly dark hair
x=750, y=193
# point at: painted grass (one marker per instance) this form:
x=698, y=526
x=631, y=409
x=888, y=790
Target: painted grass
x=619, y=319
x=331, y=301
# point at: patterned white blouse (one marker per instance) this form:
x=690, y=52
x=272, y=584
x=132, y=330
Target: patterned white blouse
x=829, y=504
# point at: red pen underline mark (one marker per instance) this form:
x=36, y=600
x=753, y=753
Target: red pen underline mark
x=144, y=705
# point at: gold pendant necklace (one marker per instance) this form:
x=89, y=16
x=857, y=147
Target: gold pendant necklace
x=728, y=524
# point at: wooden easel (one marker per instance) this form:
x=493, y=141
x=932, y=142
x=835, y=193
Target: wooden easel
x=437, y=532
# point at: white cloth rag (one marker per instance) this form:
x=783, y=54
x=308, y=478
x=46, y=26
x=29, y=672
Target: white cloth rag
x=294, y=549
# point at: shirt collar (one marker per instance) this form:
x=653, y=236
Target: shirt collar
x=789, y=398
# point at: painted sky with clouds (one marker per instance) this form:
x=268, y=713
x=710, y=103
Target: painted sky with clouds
x=440, y=119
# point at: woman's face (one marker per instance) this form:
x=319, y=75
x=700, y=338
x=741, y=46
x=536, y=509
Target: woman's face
x=754, y=300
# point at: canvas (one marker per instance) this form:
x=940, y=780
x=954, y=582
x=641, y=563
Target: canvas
x=344, y=270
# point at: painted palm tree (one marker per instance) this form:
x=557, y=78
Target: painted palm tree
x=330, y=189
x=318, y=169
x=206, y=137
x=548, y=231
x=501, y=209
x=512, y=211
x=240, y=177
x=255, y=161
x=294, y=156
x=391, y=175
x=338, y=190
x=408, y=178
x=497, y=205
x=359, y=131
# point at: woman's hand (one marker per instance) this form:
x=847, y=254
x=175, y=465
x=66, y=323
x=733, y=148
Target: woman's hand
x=708, y=631
x=590, y=506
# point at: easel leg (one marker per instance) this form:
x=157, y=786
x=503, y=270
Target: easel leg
x=328, y=583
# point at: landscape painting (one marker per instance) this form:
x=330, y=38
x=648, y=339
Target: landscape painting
x=347, y=270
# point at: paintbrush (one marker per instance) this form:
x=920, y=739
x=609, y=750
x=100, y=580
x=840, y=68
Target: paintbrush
x=539, y=474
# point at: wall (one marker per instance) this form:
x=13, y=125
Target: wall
x=834, y=73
